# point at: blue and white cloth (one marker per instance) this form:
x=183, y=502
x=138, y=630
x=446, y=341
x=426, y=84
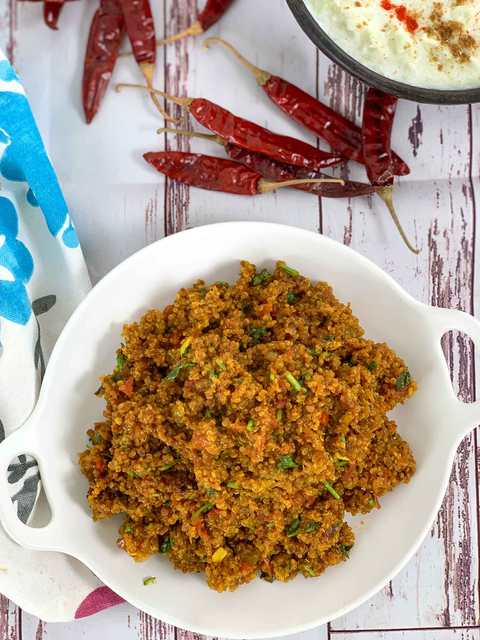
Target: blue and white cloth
x=43, y=275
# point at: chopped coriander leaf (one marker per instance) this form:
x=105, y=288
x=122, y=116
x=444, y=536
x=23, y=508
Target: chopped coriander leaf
x=311, y=527
x=272, y=376
x=205, y=508
x=167, y=466
x=403, y=380
x=293, y=528
x=120, y=361
x=372, y=365
x=186, y=342
x=96, y=438
x=127, y=529
x=133, y=474
x=279, y=415
x=257, y=333
x=313, y=352
x=331, y=490
x=267, y=577
x=173, y=373
x=294, y=382
x=287, y=462
x=166, y=546
x=221, y=283
x=251, y=425
x=329, y=338
x=345, y=549
x=289, y=270
x=203, y=291
x=309, y=570
x=291, y=297
x=261, y=278
x=371, y=502
x=220, y=364
x=211, y=492
x=208, y=413
x=214, y=374
x=233, y=485
x=343, y=439
x=149, y=580
x=341, y=462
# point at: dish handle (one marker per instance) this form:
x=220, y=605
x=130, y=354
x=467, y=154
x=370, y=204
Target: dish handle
x=25, y=441
x=454, y=320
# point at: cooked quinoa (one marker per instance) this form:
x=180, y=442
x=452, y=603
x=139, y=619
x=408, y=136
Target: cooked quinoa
x=242, y=422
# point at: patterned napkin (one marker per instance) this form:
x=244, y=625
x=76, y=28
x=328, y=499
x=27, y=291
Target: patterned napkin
x=43, y=277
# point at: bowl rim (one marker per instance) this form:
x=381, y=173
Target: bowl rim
x=400, y=89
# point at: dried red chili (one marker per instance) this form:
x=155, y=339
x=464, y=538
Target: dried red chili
x=251, y=136
x=141, y=32
x=272, y=170
x=51, y=13
x=341, y=134
x=212, y=12
x=104, y=40
x=378, y=116
x=215, y=174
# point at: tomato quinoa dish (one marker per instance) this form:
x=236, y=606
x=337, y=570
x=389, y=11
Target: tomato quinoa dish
x=242, y=423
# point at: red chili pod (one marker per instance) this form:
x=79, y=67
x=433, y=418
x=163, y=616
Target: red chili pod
x=211, y=13
x=106, y=32
x=216, y=174
x=51, y=13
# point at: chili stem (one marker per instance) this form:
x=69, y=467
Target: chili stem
x=193, y=30
x=147, y=70
x=193, y=134
x=265, y=186
x=183, y=102
x=386, y=194
x=261, y=75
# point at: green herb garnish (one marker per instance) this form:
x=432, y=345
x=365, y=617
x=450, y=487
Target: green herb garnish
x=261, y=278
x=166, y=546
x=403, y=380
x=309, y=570
x=289, y=270
x=293, y=528
x=331, y=490
x=205, y=508
x=287, y=462
x=167, y=466
x=372, y=365
x=345, y=549
x=251, y=425
x=257, y=333
x=311, y=527
x=294, y=382
x=149, y=580
x=127, y=529
x=371, y=502
x=279, y=415
x=291, y=297
x=211, y=492
x=173, y=373
x=96, y=438
x=329, y=338
x=233, y=485
x=120, y=361
x=133, y=474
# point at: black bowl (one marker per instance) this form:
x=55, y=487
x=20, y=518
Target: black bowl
x=319, y=38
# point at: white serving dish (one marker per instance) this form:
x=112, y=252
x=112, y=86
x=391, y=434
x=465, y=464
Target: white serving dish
x=433, y=422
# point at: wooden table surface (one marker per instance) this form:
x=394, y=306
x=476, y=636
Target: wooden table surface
x=119, y=205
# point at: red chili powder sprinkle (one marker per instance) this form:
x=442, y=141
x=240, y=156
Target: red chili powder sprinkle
x=401, y=12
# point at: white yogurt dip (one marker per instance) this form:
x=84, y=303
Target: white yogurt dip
x=426, y=43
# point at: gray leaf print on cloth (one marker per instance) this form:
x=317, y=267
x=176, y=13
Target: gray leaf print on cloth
x=17, y=470
x=26, y=497
x=40, y=306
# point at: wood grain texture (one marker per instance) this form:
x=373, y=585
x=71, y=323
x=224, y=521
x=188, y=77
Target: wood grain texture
x=437, y=595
